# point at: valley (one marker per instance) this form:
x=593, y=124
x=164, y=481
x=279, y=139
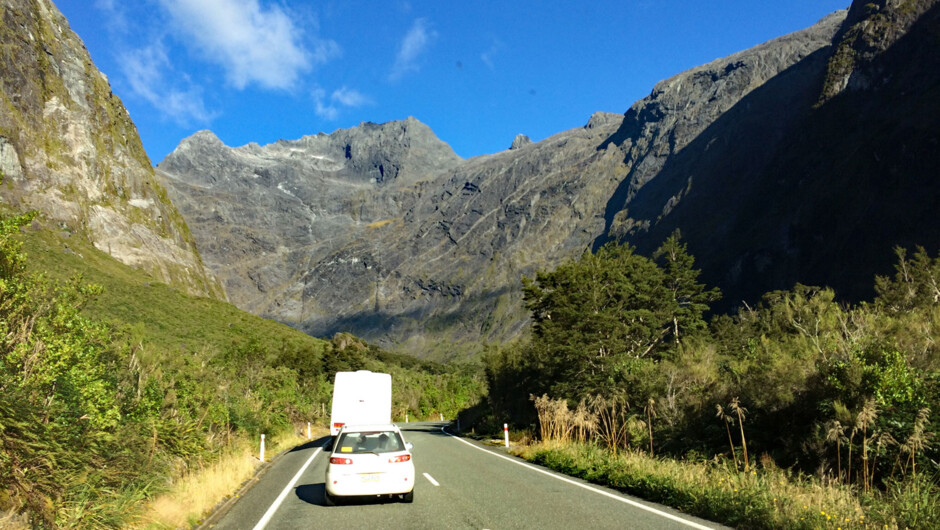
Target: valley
x=757, y=237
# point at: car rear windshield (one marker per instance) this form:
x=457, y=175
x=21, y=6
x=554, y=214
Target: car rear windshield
x=369, y=442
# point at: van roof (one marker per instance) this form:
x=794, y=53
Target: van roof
x=370, y=427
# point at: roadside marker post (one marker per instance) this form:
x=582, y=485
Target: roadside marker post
x=506, y=434
x=308, y=430
x=442, y=416
x=262, y=448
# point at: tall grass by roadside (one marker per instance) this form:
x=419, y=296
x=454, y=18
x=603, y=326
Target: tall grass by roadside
x=765, y=497
x=194, y=495
x=594, y=442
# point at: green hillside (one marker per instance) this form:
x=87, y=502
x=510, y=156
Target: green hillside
x=113, y=384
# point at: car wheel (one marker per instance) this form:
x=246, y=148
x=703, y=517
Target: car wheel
x=408, y=497
x=328, y=499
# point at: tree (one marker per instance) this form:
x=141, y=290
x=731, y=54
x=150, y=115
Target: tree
x=835, y=433
x=690, y=299
x=591, y=314
x=650, y=410
x=740, y=412
x=916, y=283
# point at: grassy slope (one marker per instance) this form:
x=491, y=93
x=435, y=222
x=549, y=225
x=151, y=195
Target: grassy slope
x=165, y=318
x=179, y=332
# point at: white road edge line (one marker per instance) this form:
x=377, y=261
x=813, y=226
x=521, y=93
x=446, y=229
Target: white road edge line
x=431, y=479
x=585, y=486
x=280, y=498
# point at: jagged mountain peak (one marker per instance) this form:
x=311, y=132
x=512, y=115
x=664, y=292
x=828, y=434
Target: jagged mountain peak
x=601, y=118
x=203, y=136
x=520, y=141
x=870, y=29
x=406, y=151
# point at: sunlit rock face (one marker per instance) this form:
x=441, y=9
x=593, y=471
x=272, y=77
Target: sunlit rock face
x=69, y=150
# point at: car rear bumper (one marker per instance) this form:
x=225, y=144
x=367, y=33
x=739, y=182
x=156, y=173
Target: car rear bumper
x=341, y=485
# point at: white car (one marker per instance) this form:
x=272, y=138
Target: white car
x=370, y=460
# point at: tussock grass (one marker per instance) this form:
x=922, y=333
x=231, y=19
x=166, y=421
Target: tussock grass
x=193, y=496
x=764, y=497
x=13, y=521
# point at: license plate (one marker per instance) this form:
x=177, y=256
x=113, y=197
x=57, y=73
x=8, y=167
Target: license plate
x=370, y=477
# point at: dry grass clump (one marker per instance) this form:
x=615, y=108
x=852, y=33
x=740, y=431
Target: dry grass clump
x=606, y=420
x=13, y=521
x=194, y=496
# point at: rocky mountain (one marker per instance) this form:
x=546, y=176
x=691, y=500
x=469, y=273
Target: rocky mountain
x=313, y=233
x=428, y=256
x=818, y=173
x=276, y=210
x=69, y=150
x=804, y=159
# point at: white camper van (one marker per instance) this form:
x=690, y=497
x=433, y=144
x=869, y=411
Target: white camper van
x=359, y=398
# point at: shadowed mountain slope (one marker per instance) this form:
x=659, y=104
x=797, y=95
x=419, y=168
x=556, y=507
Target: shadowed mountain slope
x=799, y=184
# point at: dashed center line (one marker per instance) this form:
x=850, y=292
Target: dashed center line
x=431, y=479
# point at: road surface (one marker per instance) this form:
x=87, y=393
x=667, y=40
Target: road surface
x=459, y=483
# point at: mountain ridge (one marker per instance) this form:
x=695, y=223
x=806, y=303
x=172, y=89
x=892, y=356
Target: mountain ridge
x=431, y=264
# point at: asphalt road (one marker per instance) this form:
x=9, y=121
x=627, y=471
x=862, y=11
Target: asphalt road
x=458, y=484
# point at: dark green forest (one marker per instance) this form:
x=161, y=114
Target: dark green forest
x=848, y=393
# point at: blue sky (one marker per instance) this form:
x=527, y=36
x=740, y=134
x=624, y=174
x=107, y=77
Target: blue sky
x=477, y=73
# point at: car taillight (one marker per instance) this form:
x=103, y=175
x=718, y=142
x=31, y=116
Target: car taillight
x=399, y=458
x=340, y=460
x=338, y=425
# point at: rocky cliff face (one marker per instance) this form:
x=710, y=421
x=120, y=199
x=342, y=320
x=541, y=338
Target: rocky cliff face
x=818, y=173
x=69, y=150
x=870, y=29
x=681, y=108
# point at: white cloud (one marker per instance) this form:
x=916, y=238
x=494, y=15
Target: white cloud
x=253, y=43
x=418, y=38
x=144, y=70
x=350, y=97
x=115, y=19
x=487, y=56
x=106, y=5
x=329, y=108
